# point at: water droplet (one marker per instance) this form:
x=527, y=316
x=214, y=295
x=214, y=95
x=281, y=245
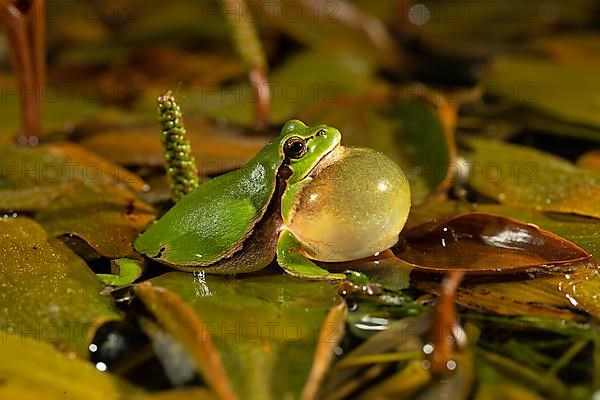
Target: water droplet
x=101, y=366
x=451, y=365
x=93, y=348
x=572, y=300
x=428, y=348
x=425, y=364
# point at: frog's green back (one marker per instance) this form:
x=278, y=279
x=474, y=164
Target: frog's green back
x=212, y=222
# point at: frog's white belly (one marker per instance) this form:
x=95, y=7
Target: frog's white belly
x=355, y=206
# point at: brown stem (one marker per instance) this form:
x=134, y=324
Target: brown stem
x=36, y=20
x=262, y=94
x=444, y=324
x=25, y=31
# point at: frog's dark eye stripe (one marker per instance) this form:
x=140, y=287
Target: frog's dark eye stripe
x=294, y=147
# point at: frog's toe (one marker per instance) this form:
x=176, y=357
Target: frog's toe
x=291, y=259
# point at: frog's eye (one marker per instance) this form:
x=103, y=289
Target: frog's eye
x=294, y=147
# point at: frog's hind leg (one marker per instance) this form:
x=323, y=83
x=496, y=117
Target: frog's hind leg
x=291, y=259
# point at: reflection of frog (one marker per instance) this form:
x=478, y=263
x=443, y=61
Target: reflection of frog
x=302, y=197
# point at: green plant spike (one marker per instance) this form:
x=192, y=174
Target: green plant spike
x=182, y=173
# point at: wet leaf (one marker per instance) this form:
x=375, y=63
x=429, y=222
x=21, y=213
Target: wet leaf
x=583, y=231
x=580, y=288
x=484, y=243
x=48, y=292
x=520, y=176
x=514, y=298
x=265, y=328
x=175, y=315
x=57, y=376
x=107, y=217
x=33, y=178
x=216, y=149
x=553, y=295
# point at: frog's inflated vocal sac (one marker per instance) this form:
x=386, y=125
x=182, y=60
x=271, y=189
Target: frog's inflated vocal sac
x=303, y=197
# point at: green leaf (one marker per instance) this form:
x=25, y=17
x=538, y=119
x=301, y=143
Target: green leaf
x=33, y=370
x=567, y=91
x=124, y=272
x=47, y=292
x=33, y=178
x=107, y=217
x=521, y=176
x=265, y=328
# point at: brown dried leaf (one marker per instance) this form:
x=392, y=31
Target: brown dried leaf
x=484, y=243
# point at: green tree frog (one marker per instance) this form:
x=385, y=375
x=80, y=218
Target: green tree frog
x=303, y=198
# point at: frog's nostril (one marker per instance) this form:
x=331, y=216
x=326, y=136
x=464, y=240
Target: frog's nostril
x=321, y=132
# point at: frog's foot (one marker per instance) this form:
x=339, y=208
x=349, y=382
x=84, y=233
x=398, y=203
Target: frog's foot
x=290, y=258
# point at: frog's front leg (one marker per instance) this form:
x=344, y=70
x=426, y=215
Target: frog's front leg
x=291, y=259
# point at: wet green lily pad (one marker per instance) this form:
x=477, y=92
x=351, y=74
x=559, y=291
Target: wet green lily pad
x=47, y=292
x=265, y=328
